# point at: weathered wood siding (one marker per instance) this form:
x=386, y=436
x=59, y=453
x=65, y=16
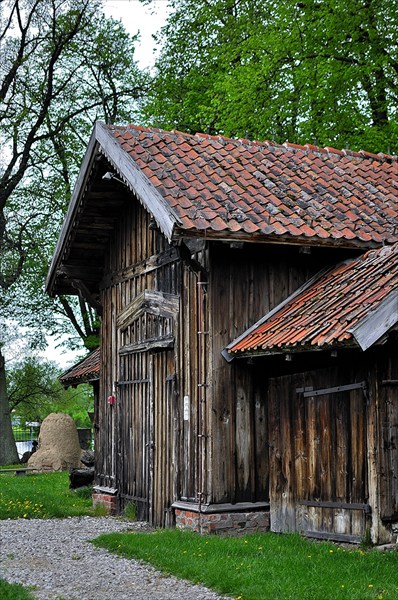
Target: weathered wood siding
x=147, y=449
x=333, y=452
x=245, y=283
x=318, y=453
x=385, y=387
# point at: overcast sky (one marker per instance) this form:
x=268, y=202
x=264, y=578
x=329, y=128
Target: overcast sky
x=137, y=17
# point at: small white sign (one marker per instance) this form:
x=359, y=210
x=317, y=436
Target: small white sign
x=186, y=408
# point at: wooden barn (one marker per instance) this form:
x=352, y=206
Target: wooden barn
x=248, y=295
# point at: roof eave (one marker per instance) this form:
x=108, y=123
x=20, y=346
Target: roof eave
x=377, y=323
x=102, y=141
x=71, y=214
x=258, y=237
x=135, y=179
x=294, y=350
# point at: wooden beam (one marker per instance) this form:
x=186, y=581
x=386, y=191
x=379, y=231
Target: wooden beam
x=192, y=263
x=333, y=537
x=158, y=303
x=378, y=322
x=160, y=343
x=142, y=268
x=335, y=390
x=86, y=273
x=343, y=505
x=389, y=382
x=87, y=295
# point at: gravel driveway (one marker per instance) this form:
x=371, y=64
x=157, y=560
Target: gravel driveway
x=55, y=557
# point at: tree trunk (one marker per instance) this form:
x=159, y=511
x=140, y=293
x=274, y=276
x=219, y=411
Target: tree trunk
x=8, y=449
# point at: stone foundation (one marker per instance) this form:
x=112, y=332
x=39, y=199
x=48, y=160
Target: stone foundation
x=222, y=519
x=107, y=499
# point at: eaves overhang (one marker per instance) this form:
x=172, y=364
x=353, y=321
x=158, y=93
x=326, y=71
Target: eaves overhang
x=103, y=144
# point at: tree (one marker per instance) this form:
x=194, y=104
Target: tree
x=34, y=391
x=63, y=66
x=323, y=71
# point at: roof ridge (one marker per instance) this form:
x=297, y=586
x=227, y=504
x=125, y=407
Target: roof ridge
x=306, y=148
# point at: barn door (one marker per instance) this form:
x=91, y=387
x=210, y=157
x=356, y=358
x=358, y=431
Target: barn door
x=135, y=426
x=318, y=457
x=147, y=407
x=164, y=435
x=146, y=433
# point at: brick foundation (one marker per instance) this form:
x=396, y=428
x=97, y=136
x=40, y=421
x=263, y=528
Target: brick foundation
x=108, y=501
x=225, y=522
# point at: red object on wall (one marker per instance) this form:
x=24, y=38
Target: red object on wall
x=111, y=399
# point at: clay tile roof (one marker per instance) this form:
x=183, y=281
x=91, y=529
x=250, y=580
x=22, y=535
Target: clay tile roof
x=333, y=309
x=84, y=371
x=302, y=193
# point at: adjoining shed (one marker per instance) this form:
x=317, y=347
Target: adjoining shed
x=182, y=243
x=334, y=460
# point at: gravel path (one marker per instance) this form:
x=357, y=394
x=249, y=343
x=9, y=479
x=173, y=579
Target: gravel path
x=55, y=557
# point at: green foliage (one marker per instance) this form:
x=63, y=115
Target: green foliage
x=13, y=591
x=264, y=566
x=84, y=492
x=130, y=511
x=40, y=496
x=34, y=392
x=100, y=511
x=323, y=72
x=64, y=66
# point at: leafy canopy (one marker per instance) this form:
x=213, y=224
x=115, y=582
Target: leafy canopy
x=323, y=71
x=34, y=392
x=64, y=66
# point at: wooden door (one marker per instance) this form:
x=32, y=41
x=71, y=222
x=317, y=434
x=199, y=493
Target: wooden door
x=147, y=421
x=135, y=423
x=318, y=456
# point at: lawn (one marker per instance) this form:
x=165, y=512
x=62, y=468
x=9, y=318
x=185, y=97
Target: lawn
x=41, y=496
x=265, y=566
x=255, y=567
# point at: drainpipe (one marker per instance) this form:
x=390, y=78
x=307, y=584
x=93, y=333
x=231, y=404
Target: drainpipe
x=202, y=388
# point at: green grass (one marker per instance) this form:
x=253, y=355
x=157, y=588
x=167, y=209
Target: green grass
x=264, y=566
x=11, y=591
x=41, y=496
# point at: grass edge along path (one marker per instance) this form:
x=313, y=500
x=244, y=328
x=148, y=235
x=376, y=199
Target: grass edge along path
x=264, y=566
x=14, y=591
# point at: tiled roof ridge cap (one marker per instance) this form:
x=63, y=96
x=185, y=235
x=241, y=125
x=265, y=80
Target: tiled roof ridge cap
x=363, y=154
x=306, y=148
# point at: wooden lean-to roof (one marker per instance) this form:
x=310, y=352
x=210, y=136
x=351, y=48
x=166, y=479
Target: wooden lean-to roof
x=352, y=304
x=223, y=189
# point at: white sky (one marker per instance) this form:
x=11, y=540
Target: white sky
x=137, y=17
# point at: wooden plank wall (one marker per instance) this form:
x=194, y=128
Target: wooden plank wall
x=318, y=453
x=245, y=284
x=139, y=258
x=387, y=388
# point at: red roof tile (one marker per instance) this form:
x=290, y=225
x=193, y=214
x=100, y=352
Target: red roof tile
x=86, y=370
x=312, y=194
x=326, y=310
